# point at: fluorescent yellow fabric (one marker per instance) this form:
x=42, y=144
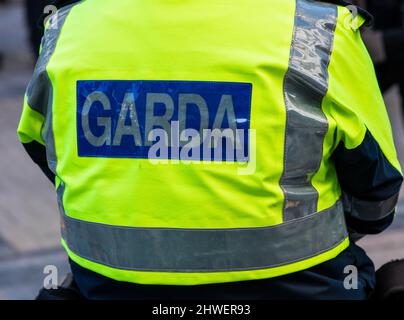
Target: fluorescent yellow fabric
x=353, y=104
x=164, y=49
x=354, y=101
x=30, y=126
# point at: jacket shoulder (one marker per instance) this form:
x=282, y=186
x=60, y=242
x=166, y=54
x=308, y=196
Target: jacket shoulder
x=364, y=13
x=58, y=4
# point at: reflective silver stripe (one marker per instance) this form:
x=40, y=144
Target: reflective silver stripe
x=60, y=192
x=369, y=210
x=40, y=87
x=206, y=250
x=305, y=85
x=40, y=91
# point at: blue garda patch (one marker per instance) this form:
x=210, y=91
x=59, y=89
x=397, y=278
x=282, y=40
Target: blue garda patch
x=189, y=120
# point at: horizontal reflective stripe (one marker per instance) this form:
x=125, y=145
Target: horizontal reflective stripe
x=205, y=250
x=369, y=210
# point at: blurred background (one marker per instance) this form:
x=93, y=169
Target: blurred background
x=29, y=226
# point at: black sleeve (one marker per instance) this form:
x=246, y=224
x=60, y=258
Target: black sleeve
x=370, y=186
x=37, y=152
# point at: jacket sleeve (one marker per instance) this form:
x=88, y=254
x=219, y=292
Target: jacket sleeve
x=29, y=133
x=365, y=158
x=33, y=118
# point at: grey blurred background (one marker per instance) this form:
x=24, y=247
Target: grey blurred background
x=29, y=221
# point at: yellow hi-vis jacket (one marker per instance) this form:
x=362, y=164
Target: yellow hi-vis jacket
x=209, y=141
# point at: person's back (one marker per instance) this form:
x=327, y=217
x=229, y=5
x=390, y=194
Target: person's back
x=203, y=142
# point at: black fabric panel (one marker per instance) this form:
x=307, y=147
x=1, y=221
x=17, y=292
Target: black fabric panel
x=365, y=173
x=37, y=152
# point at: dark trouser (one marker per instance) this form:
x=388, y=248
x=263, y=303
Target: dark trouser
x=324, y=281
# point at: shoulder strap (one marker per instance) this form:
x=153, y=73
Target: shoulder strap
x=365, y=14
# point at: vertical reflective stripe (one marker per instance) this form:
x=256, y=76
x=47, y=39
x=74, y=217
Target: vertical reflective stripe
x=40, y=91
x=39, y=88
x=60, y=191
x=305, y=85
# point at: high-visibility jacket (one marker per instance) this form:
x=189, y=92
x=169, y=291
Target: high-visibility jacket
x=210, y=141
